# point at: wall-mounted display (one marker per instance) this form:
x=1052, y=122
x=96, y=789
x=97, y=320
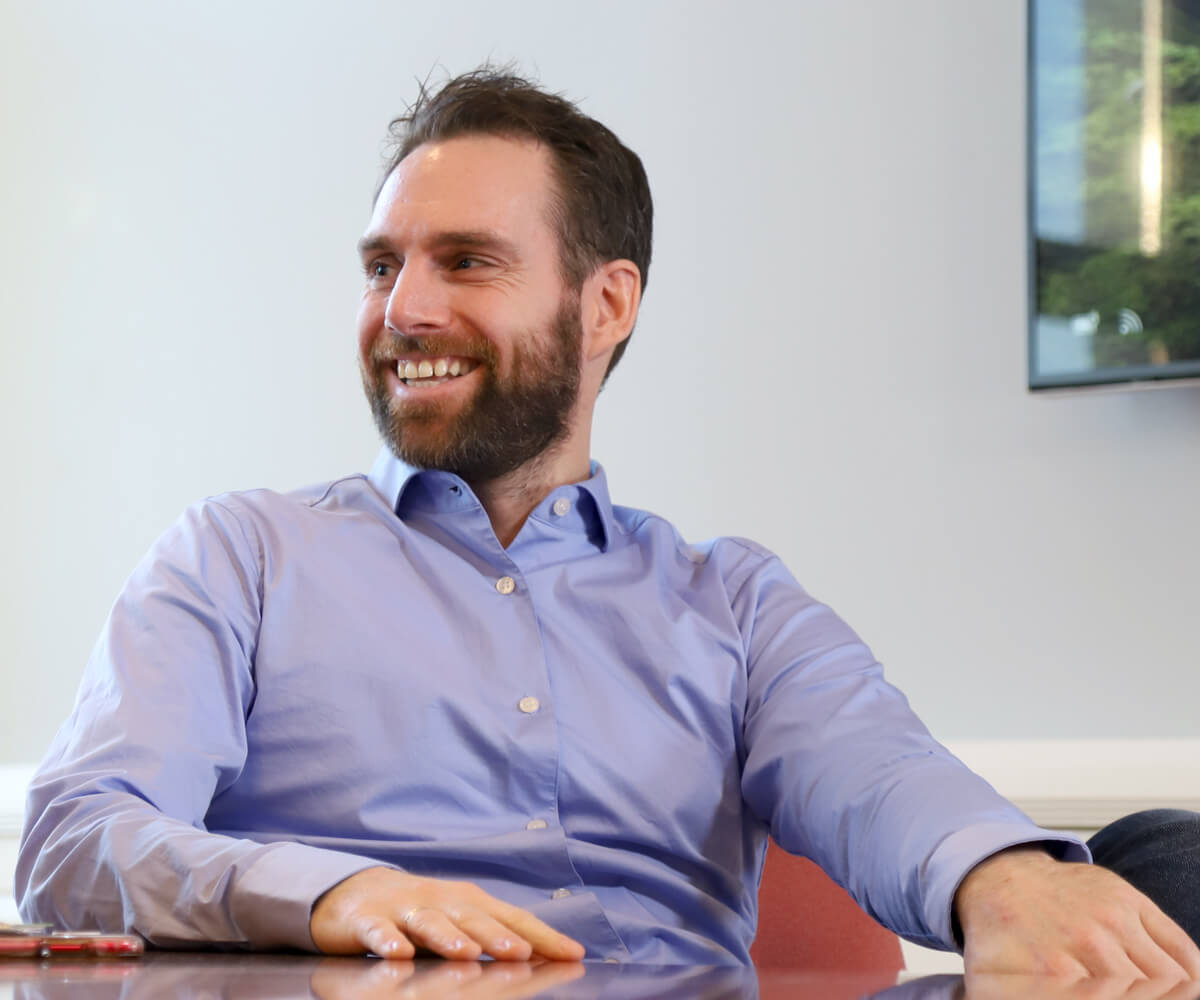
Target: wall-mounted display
x=1114, y=166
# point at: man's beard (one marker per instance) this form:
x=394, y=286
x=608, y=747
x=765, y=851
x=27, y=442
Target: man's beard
x=507, y=422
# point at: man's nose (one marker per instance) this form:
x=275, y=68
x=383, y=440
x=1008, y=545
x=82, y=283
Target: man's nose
x=419, y=300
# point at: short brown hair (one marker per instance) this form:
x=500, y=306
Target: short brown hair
x=602, y=208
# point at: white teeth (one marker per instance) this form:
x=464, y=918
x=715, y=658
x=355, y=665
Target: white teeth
x=441, y=369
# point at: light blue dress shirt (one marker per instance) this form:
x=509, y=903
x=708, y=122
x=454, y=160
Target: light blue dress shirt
x=600, y=723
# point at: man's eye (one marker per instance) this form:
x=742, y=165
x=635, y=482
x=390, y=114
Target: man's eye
x=467, y=263
x=378, y=271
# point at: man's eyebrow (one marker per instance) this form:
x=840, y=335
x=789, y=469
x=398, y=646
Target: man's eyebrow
x=475, y=239
x=467, y=239
x=371, y=244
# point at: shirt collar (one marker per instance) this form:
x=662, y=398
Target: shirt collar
x=406, y=488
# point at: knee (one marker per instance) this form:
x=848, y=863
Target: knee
x=1147, y=832
x=1153, y=819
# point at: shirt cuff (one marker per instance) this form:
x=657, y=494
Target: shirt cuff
x=275, y=895
x=958, y=854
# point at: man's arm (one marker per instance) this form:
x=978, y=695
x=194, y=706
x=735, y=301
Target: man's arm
x=115, y=835
x=842, y=771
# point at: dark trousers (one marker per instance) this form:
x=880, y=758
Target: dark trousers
x=1159, y=852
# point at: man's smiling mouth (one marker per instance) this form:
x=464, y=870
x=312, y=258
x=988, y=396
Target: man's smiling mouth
x=432, y=371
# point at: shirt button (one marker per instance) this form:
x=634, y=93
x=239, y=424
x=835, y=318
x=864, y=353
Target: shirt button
x=536, y=824
x=529, y=704
x=561, y=506
x=506, y=585
x=560, y=893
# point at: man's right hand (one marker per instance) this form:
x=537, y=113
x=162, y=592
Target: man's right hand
x=392, y=913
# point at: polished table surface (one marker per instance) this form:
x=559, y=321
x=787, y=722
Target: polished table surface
x=211, y=976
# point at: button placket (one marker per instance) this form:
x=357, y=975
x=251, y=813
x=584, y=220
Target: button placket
x=531, y=729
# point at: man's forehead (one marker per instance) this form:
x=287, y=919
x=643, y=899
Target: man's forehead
x=476, y=172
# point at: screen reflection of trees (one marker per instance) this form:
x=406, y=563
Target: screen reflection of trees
x=1130, y=280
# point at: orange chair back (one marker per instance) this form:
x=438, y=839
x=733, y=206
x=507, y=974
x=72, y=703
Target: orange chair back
x=807, y=921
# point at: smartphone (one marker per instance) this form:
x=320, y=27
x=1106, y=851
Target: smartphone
x=70, y=944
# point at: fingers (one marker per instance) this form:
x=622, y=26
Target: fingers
x=1158, y=989
x=1116, y=944
x=545, y=941
x=392, y=914
x=384, y=938
x=506, y=932
x=1151, y=959
x=1173, y=940
x=493, y=937
x=1139, y=940
x=1187, y=990
x=431, y=928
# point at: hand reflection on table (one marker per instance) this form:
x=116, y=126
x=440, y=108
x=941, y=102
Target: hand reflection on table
x=998, y=987
x=395, y=980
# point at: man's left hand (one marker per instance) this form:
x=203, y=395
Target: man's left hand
x=1021, y=911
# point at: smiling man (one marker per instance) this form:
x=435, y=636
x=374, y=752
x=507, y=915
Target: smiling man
x=469, y=705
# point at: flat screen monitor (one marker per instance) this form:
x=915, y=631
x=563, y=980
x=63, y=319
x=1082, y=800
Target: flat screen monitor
x=1114, y=167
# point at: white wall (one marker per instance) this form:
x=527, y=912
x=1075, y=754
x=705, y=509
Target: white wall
x=830, y=358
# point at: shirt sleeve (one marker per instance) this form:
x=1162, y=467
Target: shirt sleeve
x=114, y=836
x=842, y=771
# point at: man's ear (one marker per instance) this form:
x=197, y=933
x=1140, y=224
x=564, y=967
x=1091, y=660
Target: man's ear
x=608, y=306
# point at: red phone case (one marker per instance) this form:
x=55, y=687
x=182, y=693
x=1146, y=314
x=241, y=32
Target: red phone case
x=71, y=944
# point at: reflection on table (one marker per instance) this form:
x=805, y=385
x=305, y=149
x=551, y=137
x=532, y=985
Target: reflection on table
x=168, y=974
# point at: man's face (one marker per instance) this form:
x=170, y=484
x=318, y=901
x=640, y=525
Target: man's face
x=468, y=341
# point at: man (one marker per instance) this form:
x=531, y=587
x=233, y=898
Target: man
x=468, y=705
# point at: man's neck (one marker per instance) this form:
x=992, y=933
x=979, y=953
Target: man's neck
x=510, y=499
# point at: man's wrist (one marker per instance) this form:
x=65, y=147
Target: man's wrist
x=991, y=874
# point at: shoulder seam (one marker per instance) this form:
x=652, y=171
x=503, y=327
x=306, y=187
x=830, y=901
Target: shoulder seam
x=329, y=489
x=752, y=547
x=260, y=556
x=219, y=502
x=764, y=560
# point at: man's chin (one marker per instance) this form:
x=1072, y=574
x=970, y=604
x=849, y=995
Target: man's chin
x=422, y=452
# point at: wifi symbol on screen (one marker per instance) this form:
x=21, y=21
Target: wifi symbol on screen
x=1128, y=322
